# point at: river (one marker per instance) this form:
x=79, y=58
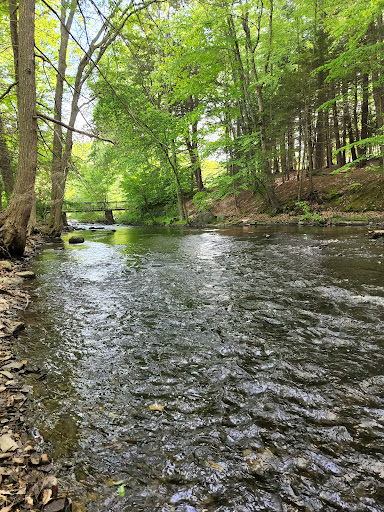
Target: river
x=212, y=370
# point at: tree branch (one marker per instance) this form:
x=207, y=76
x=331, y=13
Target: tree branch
x=8, y=90
x=87, y=134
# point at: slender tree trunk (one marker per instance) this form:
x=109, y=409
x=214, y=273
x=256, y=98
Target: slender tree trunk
x=291, y=147
x=348, y=122
x=329, y=142
x=364, y=115
x=269, y=180
x=308, y=139
x=5, y=162
x=355, y=116
x=15, y=218
x=320, y=140
x=377, y=88
x=193, y=152
x=57, y=191
x=179, y=191
x=339, y=155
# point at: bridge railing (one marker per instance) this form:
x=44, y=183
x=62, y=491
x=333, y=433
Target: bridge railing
x=95, y=206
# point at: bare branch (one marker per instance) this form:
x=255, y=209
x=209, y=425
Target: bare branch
x=72, y=129
x=8, y=90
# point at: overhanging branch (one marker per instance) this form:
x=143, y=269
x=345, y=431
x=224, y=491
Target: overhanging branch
x=87, y=134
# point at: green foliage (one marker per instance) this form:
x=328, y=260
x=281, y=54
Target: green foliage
x=308, y=216
x=202, y=201
x=121, y=490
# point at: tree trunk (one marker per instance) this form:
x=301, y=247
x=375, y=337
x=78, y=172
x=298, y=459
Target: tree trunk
x=269, y=180
x=377, y=88
x=308, y=143
x=320, y=141
x=5, y=162
x=339, y=156
x=329, y=142
x=15, y=218
x=14, y=36
x=193, y=152
x=364, y=115
x=57, y=191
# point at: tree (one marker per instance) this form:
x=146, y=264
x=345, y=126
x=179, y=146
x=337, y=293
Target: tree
x=14, y=220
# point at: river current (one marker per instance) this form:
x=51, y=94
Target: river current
x=216, y=370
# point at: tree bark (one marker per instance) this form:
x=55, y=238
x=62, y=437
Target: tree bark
x=15, y=218
x=14, y=36
x=5, y=162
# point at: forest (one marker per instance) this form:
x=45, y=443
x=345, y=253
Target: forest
x=157, y=103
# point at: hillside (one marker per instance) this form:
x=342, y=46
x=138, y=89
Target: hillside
x=356, y=196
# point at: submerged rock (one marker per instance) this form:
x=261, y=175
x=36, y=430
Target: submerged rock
x=76, y=240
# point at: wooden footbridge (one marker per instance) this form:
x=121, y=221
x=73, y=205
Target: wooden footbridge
x=97, y=206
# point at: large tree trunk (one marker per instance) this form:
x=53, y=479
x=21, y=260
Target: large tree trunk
x=15, y=218
x=13, y=7
x=5, y=162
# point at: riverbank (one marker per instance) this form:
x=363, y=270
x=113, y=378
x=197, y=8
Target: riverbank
x=26, y=473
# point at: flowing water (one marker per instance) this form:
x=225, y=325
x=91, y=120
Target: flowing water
x=214, y=370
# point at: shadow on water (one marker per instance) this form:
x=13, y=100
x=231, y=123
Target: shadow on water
x=218, y=370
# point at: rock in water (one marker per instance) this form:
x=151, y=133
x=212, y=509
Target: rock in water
x=7, y=265
x=26, y=274
x=76, y=240
x=377, y=234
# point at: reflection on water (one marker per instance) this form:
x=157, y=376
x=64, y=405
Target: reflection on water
x=266, y=353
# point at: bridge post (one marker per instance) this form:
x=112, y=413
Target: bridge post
x=109, y=220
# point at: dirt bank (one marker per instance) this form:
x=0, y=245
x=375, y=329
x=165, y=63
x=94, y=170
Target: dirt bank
x=353, y=198
x=26, y=474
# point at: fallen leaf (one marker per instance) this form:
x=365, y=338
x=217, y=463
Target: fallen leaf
x=2, y=388
x=7, y=444
x=5, y=471
x=214, y=465
x=156, y=407
x=29, y=501
x=46, y=496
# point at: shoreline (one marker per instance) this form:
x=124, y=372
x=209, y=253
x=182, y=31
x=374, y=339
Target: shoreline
x=329, y=219
x=26, y=473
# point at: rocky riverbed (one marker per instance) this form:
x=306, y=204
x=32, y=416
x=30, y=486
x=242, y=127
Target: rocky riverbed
x=26, y=474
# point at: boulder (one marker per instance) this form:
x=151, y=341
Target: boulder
x=202, y=219
x=76, y=240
